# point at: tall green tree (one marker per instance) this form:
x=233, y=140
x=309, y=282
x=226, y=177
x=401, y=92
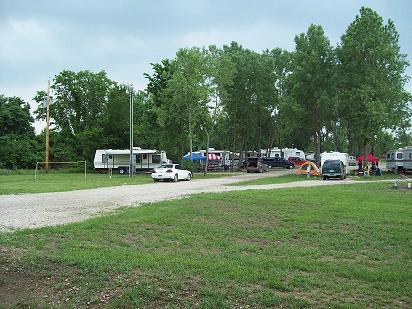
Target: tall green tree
x=19, y=147
x=372, y=78
x=186, y=95
x=79, y=108
x=311, y=82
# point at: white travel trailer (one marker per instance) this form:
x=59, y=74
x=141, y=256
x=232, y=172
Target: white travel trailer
x=342, y=156
x=394, y=159
x=407, y=158
x=118, y=159
x=287, y=153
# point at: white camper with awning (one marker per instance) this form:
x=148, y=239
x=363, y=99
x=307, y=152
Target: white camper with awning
x=119, y=159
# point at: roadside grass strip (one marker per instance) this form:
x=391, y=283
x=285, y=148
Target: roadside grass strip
x=275, y=180
x=338, y=247
x=59, y=182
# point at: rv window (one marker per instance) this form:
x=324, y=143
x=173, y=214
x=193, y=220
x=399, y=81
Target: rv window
x=298, y=153
x=156, y=158
x=410, y=155
x=137, y=158
x=104, y=158
x=388, y=156
x=144, y=156
x=276, y=155
x=399, y=156
x=110, y=157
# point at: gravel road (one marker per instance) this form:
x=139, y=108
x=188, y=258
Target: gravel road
x=47, y=209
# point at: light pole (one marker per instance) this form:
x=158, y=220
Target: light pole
x=46, y=161
x=131, y=171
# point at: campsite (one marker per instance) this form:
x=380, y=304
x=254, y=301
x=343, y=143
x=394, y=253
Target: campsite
x=205, y=154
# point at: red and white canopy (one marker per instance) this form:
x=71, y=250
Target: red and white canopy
x=213, y=156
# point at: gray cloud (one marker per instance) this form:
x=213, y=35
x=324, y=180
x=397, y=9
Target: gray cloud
x=41, y=38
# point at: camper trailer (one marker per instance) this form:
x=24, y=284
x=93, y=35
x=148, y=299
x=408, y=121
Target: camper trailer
x=224, y=154
x=287, y=152
x=119, y=159
x=407, y=158
x=342, y=156
x=394, y=160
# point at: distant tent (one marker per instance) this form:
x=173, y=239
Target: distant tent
x=371, y=158
x=196, y=156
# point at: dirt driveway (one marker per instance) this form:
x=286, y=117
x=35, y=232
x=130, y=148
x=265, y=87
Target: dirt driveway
x=46, y=209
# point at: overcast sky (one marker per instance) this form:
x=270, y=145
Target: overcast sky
x=41, y=38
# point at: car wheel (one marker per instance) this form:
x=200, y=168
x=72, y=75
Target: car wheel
x=342, y=177
x=156, y=180
x=325, y=178
x=175, y=179
x=189, y=176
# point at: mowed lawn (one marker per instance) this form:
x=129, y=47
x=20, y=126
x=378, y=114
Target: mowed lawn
x=346, y=246
x=57, y=182
x=275, y=180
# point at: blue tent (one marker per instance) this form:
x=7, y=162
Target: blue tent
x=196, y=156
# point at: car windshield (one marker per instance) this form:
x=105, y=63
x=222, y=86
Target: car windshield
x=166, y=166
x=332, y=164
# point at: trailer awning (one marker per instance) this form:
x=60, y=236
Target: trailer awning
x=213, y=156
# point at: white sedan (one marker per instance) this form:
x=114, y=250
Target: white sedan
x=173, y=172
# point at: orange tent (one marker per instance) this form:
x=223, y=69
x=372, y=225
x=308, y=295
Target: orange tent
x=303, y=169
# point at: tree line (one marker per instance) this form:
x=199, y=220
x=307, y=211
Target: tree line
x=318, y=97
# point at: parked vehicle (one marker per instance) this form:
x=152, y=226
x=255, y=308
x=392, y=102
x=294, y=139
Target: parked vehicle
x=297, y=160
x=352, y=160
x=278, y=162
x=407, y=158
x=394, y=160
x=256, y=165
x=174, y=172
x=333, y=169
x=119, y=159
x=342, y=156
x=286, y=153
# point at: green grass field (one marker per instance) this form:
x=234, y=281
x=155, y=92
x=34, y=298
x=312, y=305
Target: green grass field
x=55, y=182
x=346, y=246
x=274, y=180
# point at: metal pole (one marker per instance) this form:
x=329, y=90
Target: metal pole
x=85, y=172
x=46, y=166
x=131, y=132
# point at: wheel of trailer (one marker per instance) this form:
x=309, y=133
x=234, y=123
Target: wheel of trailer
x=122, y=170
x=175, y=179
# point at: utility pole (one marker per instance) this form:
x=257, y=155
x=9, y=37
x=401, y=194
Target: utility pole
x=131, y=171
x=46, y=166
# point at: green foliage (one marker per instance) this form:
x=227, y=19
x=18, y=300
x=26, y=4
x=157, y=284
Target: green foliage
x=372, y=78
x=18, y=144
x=193, y=166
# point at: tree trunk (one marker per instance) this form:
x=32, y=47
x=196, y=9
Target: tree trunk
x=335, y=137
x=365, y=160
x=232, y=162
x=190, y=136
x=317, y=147
x=207, y=153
